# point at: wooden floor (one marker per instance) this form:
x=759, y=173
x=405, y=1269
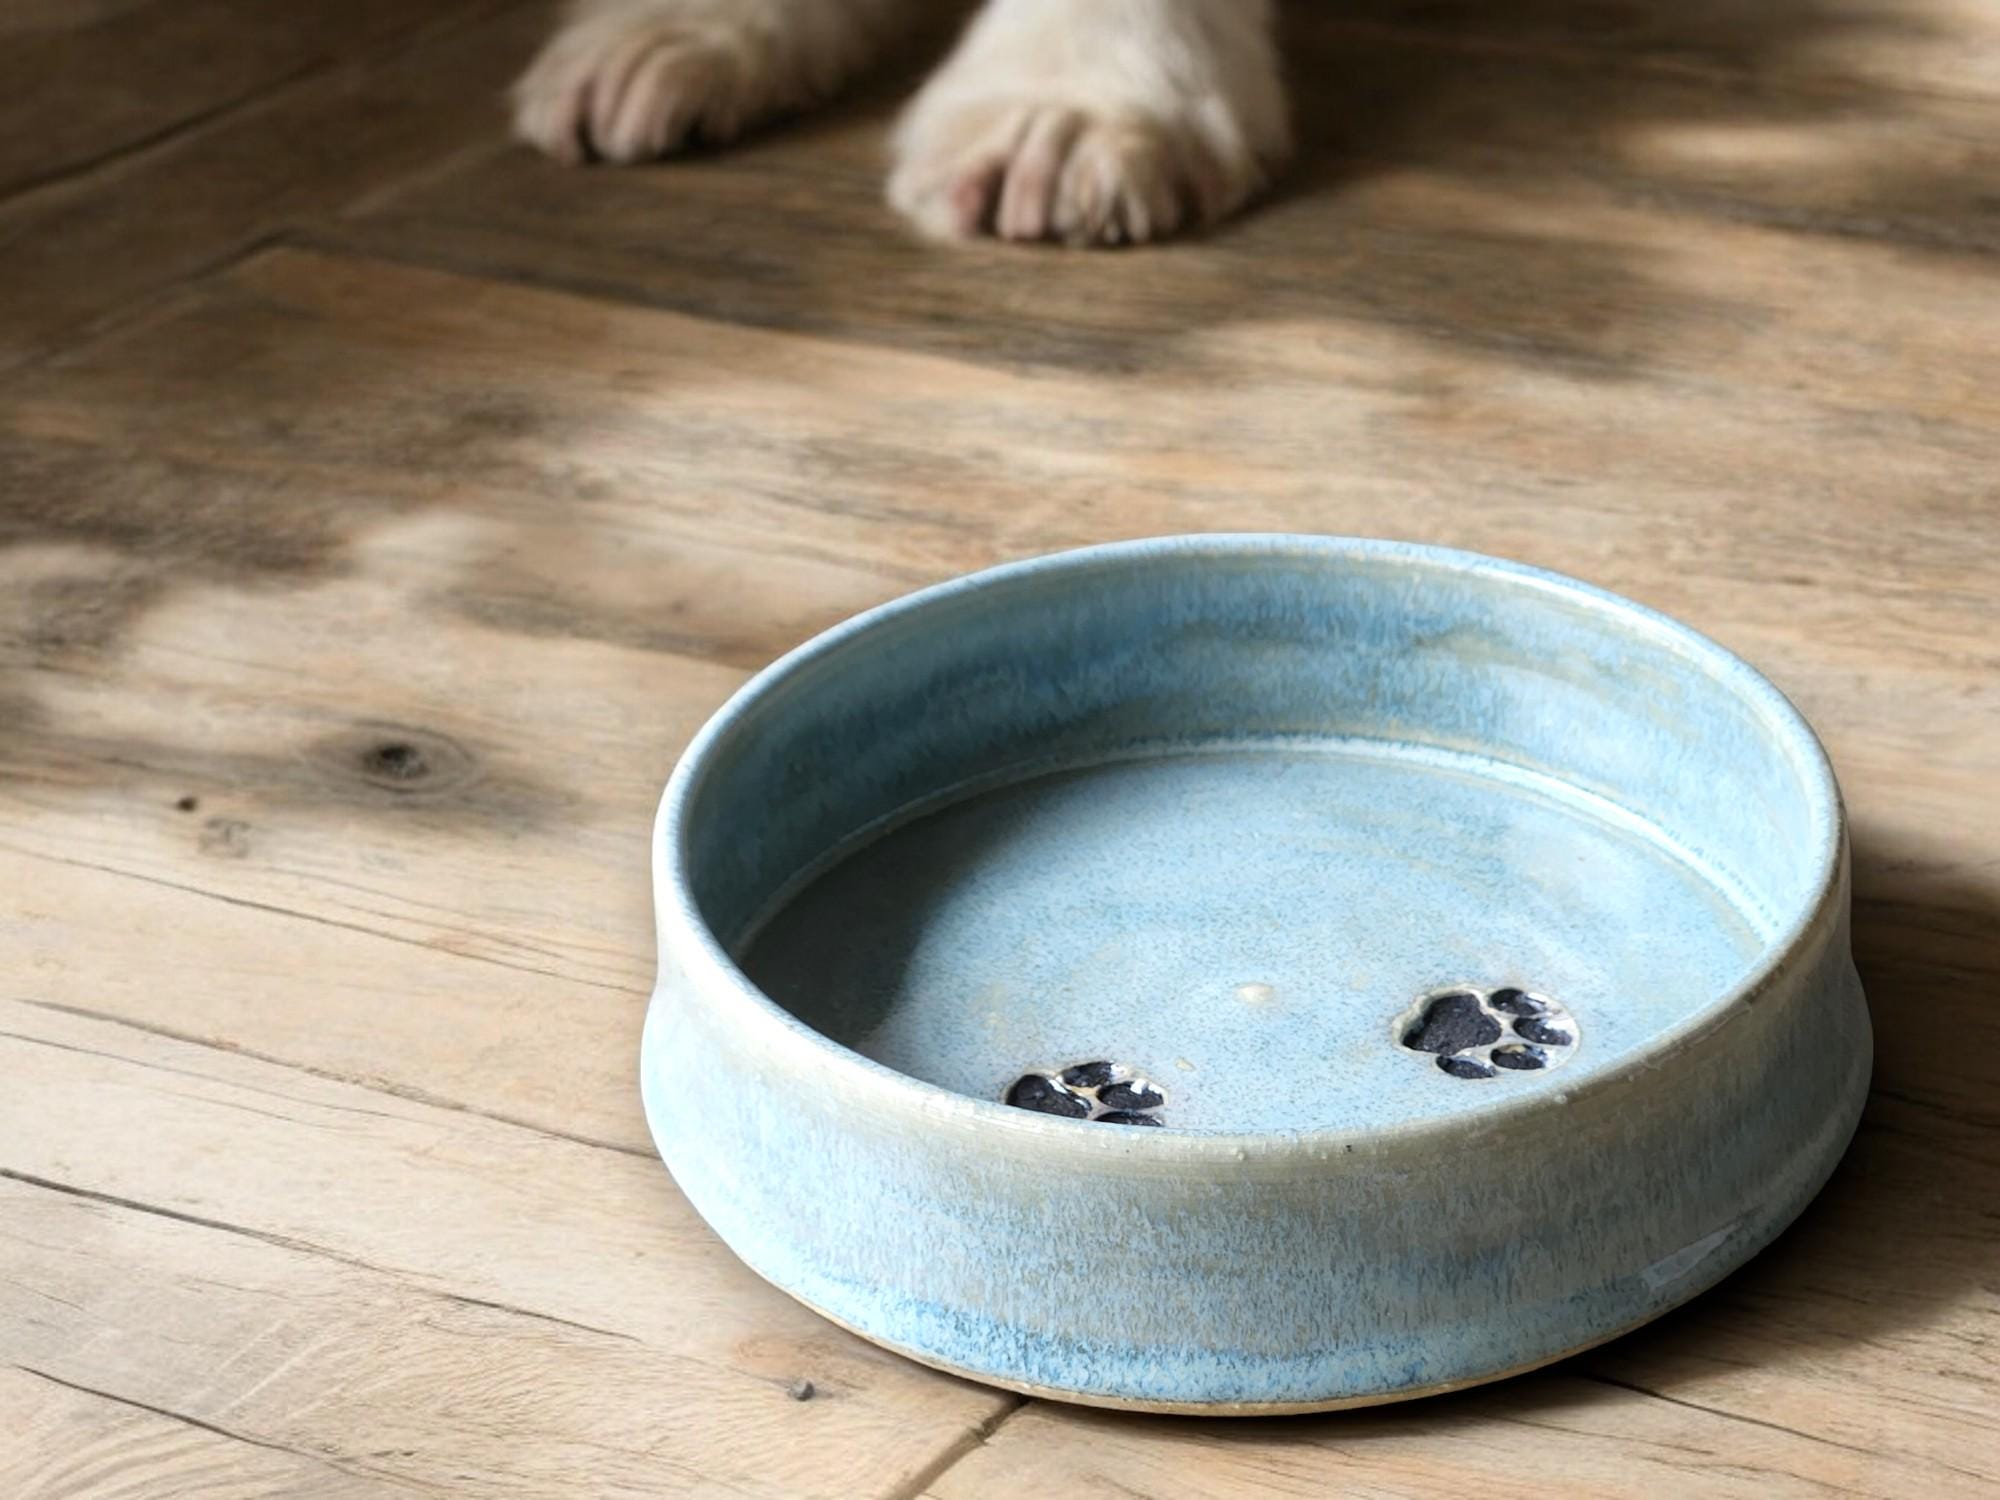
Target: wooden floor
x=382, y=508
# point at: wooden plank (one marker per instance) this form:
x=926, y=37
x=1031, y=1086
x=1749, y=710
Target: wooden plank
x=437, y=385
x=498, y=890
x=70, y=1444
x=325, y=443
x=1711, y=109
x=87, y=247
x=84, y=80
x=433, y=388
x=412, y=1293
x=1693, y=301
x=1555, y=1433
x=1462, y=173
x=356, y=480
x=1859, y=50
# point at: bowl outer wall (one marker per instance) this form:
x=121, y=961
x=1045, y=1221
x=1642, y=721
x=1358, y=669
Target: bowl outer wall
x=1202, y=1271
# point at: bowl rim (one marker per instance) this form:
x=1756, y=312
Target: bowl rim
x=717, y=979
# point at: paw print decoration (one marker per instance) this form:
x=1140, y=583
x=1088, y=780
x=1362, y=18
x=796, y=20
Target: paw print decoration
x=1479, y=1033
x=1107, y=1092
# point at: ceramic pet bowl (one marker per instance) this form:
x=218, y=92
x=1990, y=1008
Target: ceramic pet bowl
x=1252, y=974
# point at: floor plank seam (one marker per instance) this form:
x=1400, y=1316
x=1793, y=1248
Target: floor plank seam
x=51, y=345
x=27, y=188
x=379, y=195
x=1692, y=204
x=1832, y=87
x=411, y=1281
x=225, y=1432
x=155, y=304
x=1734, y=1416
x=262, y=1236
x=1951, y=1112
x=1515, y=1419
x=166, y=137
x=329, y=1075
x=272, y=909
x=540, y=1317
x=967, y=1442
x=328, y=239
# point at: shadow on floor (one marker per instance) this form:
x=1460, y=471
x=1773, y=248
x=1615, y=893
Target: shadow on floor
x=1539, y=183
x=1899, y=1237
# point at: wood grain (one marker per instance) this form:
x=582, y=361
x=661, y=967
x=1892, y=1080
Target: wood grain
x=381, y=510
x=360, y=1276
x=84, y=81
x=69, y=1443
x=96, y=244
x=1536, y=182
x=1548, y=1434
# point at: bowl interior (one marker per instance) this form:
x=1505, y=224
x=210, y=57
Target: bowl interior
x=1254, y=834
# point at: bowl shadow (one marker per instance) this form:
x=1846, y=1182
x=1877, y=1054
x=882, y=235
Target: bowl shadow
x=1898, y=1241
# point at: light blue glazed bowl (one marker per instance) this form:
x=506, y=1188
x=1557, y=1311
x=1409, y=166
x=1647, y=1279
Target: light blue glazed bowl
x=1405, y=968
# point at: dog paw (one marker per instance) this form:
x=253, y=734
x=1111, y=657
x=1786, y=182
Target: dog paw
x=629, y=80
x=1035, y=172
x=1076, y=124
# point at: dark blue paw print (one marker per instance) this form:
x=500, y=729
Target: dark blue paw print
x=1480, y=1033
x=1107, y=1092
